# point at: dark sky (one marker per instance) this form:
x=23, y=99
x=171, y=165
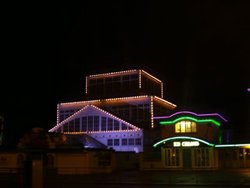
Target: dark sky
x=199, y=49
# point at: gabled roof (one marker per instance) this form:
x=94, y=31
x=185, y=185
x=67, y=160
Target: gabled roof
x=84, y=110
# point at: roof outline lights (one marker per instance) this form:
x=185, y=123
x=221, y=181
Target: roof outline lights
x=129, y=124
x=67, y=119
x=101, y=132
x=112, y=73
x=151, y=112
x=78, y=112
x=160, y=99
x=149, y=75
x=232, y=145
x=86, y=85
x=101, y=100
x=192, y=113
x=190, y=118
x=182, y=138
x=139, y=79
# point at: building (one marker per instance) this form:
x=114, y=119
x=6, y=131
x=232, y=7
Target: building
x=199, y=141
x=126, y=111
x=118, y=111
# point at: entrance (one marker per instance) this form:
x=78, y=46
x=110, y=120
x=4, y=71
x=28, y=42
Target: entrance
x=187, y=163
x=202, y=157
x=171, y=157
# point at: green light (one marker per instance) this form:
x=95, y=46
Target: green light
x=232, y=145
x=182, y=138
x=192, y=119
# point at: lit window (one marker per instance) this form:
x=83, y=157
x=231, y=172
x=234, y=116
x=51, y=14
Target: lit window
x=185, y=127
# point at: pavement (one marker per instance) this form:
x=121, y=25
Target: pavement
x=135, y=179
x=227, y=178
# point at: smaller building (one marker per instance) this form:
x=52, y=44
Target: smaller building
x=197, y=141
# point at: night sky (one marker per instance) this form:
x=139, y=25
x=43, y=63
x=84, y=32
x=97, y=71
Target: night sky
x=199, y=49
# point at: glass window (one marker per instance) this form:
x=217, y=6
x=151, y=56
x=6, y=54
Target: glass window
x=96, y=123
x=84, y=124
x=116, y=142
x=247, y=152
x=116, y=79
x=90, y=123
x=110, y=142
x=138, y=141
x=71, y=126
x=77, y=124
x=110, y=124
x=193, y=127
x=126, y=77
x=92, y=82
x=104, y=124
x=185, y=127
x=124, y=142
x=116, y=125
x=131, y=141
x=124, y=126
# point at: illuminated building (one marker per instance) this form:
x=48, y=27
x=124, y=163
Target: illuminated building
x=126, y=111
x=198, y=141
x=118, y=112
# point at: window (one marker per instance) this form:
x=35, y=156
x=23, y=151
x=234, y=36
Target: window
x=84, y=123
x=71, y=126
x=137, y=141
x=90, y=123
x=124, y=126
x=104, y=124
x=185, y=127
x=247, y=152
x=131, y=141
x=116, y=142
x=77, y=124
x=116, y=125
x=96, y=123
x=110, y=142
x=124, y=142
x=110, y=124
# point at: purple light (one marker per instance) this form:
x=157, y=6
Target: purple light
x=188, y=112
x=248, y=89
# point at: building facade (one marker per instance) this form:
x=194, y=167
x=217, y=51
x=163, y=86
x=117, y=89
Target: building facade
x=199, y=141
x=126, y=111
x=118, y=111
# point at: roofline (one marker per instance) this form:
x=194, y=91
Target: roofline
x=165, y=101
x=124, y=72
x=192, y=113
x=93, y=106
x=112, y=73
x=149, y=75
x=115, y=99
